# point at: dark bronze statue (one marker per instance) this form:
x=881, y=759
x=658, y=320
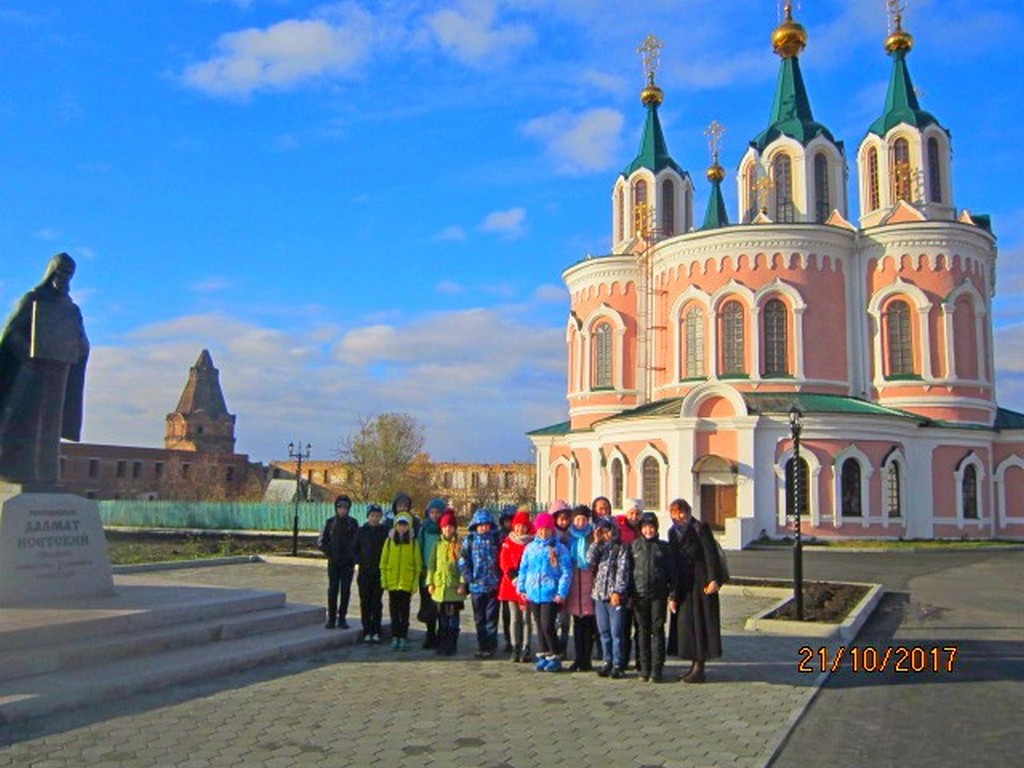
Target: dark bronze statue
x=43, y=351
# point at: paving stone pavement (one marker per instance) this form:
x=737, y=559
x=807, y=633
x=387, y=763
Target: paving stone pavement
x=370, y=706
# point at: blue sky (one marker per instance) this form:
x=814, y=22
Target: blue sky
x=366, y=206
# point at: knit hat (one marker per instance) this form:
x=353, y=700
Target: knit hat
x=507, y=512
x=343, y=501
x=649, y=518
x=521, y=518
x=582, y=509
x=604, y=522
x=557, y=506
x=544, y=520
x=638, y=503
x=403, y=517
x=448, y=518
x=374, y=508
x=437, y=504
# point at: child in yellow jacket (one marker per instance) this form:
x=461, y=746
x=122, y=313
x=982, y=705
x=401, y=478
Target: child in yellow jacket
x=400, y=566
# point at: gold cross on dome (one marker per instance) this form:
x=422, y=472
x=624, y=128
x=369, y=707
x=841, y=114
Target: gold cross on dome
x=894, y=13
x=715, y=132
x=650, y=52
x=643, y=220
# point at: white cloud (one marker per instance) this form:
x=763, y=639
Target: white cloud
x=284, y=55
x=579, y=143
x=473, y=35
x=49, y=234
x=449, y=288
x=451, y=234
x=510, y=224
x=550, y=294
x=211, y=284
x=477, y=379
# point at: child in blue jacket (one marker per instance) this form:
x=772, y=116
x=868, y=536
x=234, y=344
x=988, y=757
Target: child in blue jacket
x=545, y=575
x=479, y=568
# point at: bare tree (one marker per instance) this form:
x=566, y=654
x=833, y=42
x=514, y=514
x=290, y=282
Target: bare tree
x=385, y=455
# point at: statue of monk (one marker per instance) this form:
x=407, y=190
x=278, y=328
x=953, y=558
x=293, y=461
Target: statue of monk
x=43, y=352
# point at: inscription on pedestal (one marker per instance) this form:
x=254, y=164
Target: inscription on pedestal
x=51, y=545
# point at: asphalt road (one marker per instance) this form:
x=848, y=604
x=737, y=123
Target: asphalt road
x=971, y=601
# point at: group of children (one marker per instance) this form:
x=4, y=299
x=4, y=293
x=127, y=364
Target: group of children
x=612, y=578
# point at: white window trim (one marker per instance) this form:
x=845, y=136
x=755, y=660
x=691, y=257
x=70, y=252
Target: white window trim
x=796, y=306
x=966, y=288
x=618, y=323
x=649, y=451
x=971, y=460
x=866, y=470
x=919, y=301
x=895, y=457
x=1005, y=520
x=691, y=295
x=813, y=471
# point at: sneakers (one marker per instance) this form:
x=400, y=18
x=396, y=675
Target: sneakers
x=374, y=639
x=617, y=673
x=553, y=664
x=605, y=671
x=342, y=624
x=395, y=641
x=402, y=645
x=541, y=661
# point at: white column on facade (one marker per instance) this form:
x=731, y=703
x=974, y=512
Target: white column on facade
x=950, y=345
x=798, y=341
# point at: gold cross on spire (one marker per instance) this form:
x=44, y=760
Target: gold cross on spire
x=895, y=9
x=715, y=132
x=650, y=52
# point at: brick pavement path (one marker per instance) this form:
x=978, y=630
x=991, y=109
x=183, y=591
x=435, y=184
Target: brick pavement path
x=370, y=706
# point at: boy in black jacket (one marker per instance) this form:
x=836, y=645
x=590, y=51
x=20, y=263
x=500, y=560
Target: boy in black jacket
x=336, y=542
x=655, y=590
x=369, y=543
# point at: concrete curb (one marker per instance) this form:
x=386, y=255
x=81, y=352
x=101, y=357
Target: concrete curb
x=846, y=631
x=886, y=549
x=178, y=565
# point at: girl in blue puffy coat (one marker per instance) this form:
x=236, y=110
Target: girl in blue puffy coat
x=545, y=575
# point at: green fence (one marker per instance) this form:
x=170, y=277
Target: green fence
x=221, y=515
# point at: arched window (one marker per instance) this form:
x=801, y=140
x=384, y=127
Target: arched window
x=752, y=202
x=804, y=481
x=898, y=339
x=616, y=498
x=620, y=213
x=874, y=200
x=969, y=492
x=776, y=357
x=651, y=472
x=639, y=207
x=694, y=335
x=822, y=205
x=934, y=171
x=668, y=208
x=782, y=170
x=901, y=172
x=850, y=484
x=893, y=480
x=602, y=352
x=733, y=359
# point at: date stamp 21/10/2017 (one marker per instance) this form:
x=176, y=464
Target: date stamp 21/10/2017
x=899, y=659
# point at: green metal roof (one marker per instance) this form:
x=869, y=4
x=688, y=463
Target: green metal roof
x=653, y=154
x=809, y=402
x=791, y=111
x=1007, y=419
x=554, y=430
x=901, y=105
x=716, y=215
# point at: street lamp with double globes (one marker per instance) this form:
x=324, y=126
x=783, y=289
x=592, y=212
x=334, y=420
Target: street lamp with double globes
x=298, y=454
x=797, y=497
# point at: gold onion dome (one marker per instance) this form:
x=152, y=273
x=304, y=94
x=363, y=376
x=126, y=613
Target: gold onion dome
x=715, y=171
x=789, y=38
x=652, y=94
x=899, y=40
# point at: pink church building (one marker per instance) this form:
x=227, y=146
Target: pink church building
x=689, y=345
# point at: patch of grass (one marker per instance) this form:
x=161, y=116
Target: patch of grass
x=891, y=543
x=133, y=547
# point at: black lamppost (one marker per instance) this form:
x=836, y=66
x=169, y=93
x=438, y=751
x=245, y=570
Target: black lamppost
x=298, y=454
x=797, y=496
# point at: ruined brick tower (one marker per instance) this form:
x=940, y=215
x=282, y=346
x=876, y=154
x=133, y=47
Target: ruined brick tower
x=201, y=421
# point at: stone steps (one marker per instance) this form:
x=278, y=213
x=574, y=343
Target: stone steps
x=73, y=661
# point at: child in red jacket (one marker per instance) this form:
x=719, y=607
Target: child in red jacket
x=508, y=561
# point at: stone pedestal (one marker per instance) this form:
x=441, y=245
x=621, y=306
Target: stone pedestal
x=51, y=546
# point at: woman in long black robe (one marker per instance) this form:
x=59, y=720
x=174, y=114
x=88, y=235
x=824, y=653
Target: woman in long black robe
x=698, y=620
